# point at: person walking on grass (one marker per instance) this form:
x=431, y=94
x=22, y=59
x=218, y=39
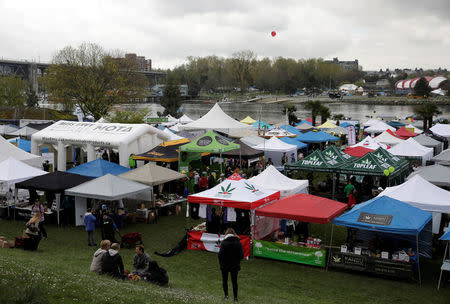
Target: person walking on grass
x=230, y=256
x=89, y=223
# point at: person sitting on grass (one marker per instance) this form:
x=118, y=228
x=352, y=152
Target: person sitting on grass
x=141, y=261
x=96, y=264
x=112, y=263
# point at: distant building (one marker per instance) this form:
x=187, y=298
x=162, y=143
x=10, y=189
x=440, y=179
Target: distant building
x=348, y=65
x=139, y=63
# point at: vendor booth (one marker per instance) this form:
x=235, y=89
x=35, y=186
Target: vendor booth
x=442, y=158
x=446, y=260
x=388, y=138
x=275, y=149
x=303, y=208
x=271, y=178
x=233, y=194
x=423, y=195
x=126, y=138
x=108, y=188
x=8, y=150
x=385, y=237
x=436, y=174
x=429, y=142
x=98, y=167
x=316, y=137
x=412, y=150
x=52, y=183
x=167, y=152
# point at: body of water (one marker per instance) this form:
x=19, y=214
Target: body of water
x=272, y=113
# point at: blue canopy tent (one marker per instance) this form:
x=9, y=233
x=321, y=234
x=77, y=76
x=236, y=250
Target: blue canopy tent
x=294, y=141
x=302, y=122
x=403, y=221
x=396, y=124
x=262, y=125
x=446, y=260
x=345, y=124
x=98, y=167
x=292, y=130
x=316, y=137
x=25, y=145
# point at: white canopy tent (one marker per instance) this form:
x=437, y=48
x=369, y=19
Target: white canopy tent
x=127, y=138
x=371, y=122
x=185, y=119
x=8, y=129
x=379, y=127
x=272, y=179
x=171, y=135
x=369, y=143
x=416, y=130
x=436, y=174
x=275, y=149
x=278, y=132
x=107, y=187
x=411, y=149
x=215, y=119
x=252, y=140
x=25, y=132
x=176, y=127
x=387, y=139
x=9, y=150
x=13, y=171
x=443, y=158
x=152, y=175
x=441, y=130
x=429, y=142
x=424, y=195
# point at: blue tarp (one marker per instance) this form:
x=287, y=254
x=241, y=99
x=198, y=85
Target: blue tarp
x=406, y=219
x=294, y=141
x=345, y=124
x=446, y=235
x=262, y=125
x=316, y=137
x=98, y=167
x=302, y=122
x=291, y=129
x=26, y=145
x=396, y=124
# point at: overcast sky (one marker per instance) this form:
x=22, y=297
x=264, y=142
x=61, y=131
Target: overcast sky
x=380, y=34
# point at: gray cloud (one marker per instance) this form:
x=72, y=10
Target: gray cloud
x=379, y=33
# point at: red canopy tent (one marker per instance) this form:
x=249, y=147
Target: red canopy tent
x=304, y=207
x=396, y=135
x=358, y=151
x=403, y=132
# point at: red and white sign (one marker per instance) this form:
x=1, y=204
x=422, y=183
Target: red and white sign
x=202, y=241
x=351, y=135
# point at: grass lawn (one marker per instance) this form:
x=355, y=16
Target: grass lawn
x=59, y=273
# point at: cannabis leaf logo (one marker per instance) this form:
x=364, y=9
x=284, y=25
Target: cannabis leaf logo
x=251, y=188
x=226, y=190
x=366, y=162
x=314, y=158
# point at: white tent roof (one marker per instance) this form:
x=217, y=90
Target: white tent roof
x=278, y=132
x=369, y=143
x=176, y=128
x=427, y=141
x=387, y=139
x=98, y=134
x=371, y=122
x=252, y=141
x=9, y=150
x=171, y=118
x=172, y=136
x=215, y=119
x=443, y=158
x=421, y=194
x=412, y=149
x=13, y=171
x=185, y=119
x=243, y=133
x=25, y=131
x=435, y=174
x=8, y=129
x=439, y=92
x=416, y=130
x=348, y=87
x=271, y=178
x=152, y=175
x=108, y=187
x=275, y=144
x=441, y=129
x=379, y=127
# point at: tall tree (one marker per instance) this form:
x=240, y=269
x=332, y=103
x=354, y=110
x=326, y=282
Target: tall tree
x=292, y=118
x=13, y=93
x=241, y=66
x=426, y=111
x=324, y=113
x=126, y=116
x=315, y=106
x=92, y=78
x=171, y=96
x=422, y=88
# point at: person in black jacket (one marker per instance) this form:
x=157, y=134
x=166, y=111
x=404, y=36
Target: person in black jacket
x=112, y=263
x=230, y=256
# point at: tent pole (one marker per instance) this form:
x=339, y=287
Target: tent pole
x=16, y=198
x=443, y=260
x=418, y=261
x=221, y=161
x=252, y=232
x=329, y=247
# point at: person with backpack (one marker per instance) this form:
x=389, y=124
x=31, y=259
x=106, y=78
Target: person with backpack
x=230, y=256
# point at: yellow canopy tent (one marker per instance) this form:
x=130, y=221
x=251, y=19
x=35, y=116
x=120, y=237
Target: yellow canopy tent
x=327, y=125
x=248, y=120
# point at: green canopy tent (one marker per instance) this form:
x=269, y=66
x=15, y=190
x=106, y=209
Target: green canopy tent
x=209, y=142
x=401, y=165
x=333, y=152
x=315, y=161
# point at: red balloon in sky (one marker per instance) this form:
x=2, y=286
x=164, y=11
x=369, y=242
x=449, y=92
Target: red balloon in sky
x=273, y=33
